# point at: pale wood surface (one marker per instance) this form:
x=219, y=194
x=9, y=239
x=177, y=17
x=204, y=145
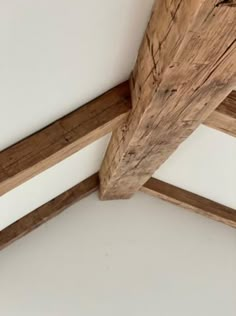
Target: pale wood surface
x=63, y=138
x=191, y=201
x=224, y=117
x=49, y=210
x=185, y=69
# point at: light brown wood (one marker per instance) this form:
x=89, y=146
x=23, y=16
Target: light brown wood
x=191, y=201
x=224, y=117
x=185, y=69
x=63, y=138
x=49, y=210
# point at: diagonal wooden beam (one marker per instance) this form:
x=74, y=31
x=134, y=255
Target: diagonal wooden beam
x=224, y=117
x=46, y=212
x=185, y=69
x=191, y=201
x=154, y=187
x=63, y=138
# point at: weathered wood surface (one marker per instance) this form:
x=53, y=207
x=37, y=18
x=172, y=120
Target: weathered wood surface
x=185, y=69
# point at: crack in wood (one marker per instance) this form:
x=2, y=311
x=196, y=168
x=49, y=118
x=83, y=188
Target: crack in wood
x=229, y=3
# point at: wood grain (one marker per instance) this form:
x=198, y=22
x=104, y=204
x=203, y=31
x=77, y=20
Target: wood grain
x=224, y=117
x=63, y=138
x=191, y=201
x=185, y=69
x=49, y=210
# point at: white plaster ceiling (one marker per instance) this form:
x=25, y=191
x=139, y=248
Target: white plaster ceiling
x=141, y=257
x=56, y=56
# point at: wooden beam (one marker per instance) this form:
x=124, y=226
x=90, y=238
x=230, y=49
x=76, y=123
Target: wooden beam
x=185, y=69
x=49, y=210
x=154, y=187
x=63, y=138
x=224, y=117
x=71, y=133
x=191, y=201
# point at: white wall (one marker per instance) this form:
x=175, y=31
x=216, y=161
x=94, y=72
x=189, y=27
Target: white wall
x=141, y=257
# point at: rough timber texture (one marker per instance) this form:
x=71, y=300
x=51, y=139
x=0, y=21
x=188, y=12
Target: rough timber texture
x=185, y=69
x=49, y=210
x=224, y=117
x=191, y=201
x=63, y=138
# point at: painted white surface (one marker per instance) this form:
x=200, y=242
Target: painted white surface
x=51, y=183
x=137, y=257
x=204, y=164
x=57, y=55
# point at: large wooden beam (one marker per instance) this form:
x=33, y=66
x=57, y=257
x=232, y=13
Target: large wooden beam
x=63, y=138
x=23, y=160
x=46, y=212
x=191, y=201
x=185, y=69
x=224, y=117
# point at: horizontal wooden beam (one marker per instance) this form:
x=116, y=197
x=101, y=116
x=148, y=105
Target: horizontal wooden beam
x=191, y=201
x=49, y=210
x=63, y=138
x=224, y=117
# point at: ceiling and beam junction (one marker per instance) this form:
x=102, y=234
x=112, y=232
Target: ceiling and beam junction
x=184, y=76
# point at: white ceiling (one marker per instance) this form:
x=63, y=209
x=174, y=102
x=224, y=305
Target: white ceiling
x=57, y=55
x=121, y=258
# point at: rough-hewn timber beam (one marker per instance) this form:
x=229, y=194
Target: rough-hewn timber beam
x=185, y=69
x=224, y=117
x=63, y=138
x=49, y=210
x=24, y=157
x=191, y=201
